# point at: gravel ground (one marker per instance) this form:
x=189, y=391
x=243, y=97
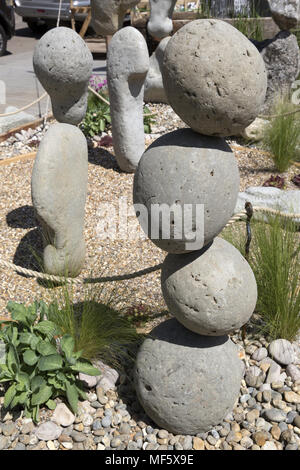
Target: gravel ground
x=266, y=415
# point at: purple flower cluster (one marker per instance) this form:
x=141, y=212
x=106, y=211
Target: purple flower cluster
x=96, y=83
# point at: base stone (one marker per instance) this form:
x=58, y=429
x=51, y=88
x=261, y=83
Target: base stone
x=212, y=291
x=187, y=383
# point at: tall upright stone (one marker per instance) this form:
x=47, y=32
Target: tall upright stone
x=160, y=22
x=154, y=87
x=127, y=68
x=108, y=15
x=63, y=64
x=59, y=187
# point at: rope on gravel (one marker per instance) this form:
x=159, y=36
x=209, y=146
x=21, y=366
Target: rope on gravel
x=25, y=107
x=124, y=277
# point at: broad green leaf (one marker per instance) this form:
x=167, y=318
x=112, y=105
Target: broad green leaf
x=37, y=382
x=25, y=337
x=23, y=378
x=47, y=327
x=85, y=367
x=9, y=396
x=51, y=404
x=81, y=393
x=67, y=345
x=12, y=359
x=36, y=413
x=56, y=383
x=45, y=348
x=34, y=341
x=41, y=395
x=18, y=311
x=72, y=396
x=52, y=362
x=30, y=358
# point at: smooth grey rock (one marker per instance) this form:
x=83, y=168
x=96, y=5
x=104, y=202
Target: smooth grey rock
x=154, y=87
x=212, y=291
x=108, y=378
x=4, y=442
x=10, y=122
x=108, y=15
x=285, y=13
x=184, y=168
x=58, y=187
x=259, y=354
x=160, y=22
x=282, y=61
x=214, y=77
x=273, y=373
x=48, y=431
x=254, y=376
x=90, y=381
x=186, y=383
x=127, y=67
x=287, y=201
x=63, y=64
x=293, y=372
x=62, y=415
x=282, y=351
x=256, y=130
x=273, y=414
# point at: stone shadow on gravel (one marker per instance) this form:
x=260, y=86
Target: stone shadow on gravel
x=22, y=217
x=104, y=158
x=29, y=251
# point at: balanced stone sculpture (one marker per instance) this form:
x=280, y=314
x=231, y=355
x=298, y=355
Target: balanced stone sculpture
x=285, y=13
x=59, y=186
x=127, y=67
x=216, y=85
x=108, y=15
x=187, y=373
x=63, y=64
x=154, y=87
x=160, y=22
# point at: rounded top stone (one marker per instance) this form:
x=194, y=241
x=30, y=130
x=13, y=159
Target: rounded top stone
x=214, y=77
x=61, y=57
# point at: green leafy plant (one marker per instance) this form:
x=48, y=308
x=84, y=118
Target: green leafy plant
x=148, y=120
x=97, y=118
x=40, y=362
x=282, y=135
x=274, y=258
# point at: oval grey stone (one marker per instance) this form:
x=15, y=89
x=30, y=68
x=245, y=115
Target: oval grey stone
x=184, y=170
x=212, y=291
x=214, y=77
x=187, y=383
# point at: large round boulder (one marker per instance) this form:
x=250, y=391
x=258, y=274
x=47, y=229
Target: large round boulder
x=187, y=383
x=192, y=181
x=212, y=292
x=214, y=77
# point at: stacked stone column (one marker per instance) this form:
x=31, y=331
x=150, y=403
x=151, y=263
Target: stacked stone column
x=63, y=64
x=188, y=372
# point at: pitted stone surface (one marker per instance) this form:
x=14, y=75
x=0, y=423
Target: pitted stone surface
x=154, y=87
x=160, y=22
x=211, y=292
x=285, y=13
x=185, y=382
x=59, y=186
x=182, y=168
x=108, y=15
x=282, y=60
x=214, y=77
x=63, y=65
x=127, y=67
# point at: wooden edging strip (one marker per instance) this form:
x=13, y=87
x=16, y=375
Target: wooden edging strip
x=28, y=125
x=18, y=158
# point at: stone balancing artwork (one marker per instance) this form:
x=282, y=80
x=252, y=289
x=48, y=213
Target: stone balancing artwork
x=63, y=64
x=160, y=22
x=187, y=372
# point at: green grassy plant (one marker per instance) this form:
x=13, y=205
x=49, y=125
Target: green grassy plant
x=282, y=135
x=274, y=258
